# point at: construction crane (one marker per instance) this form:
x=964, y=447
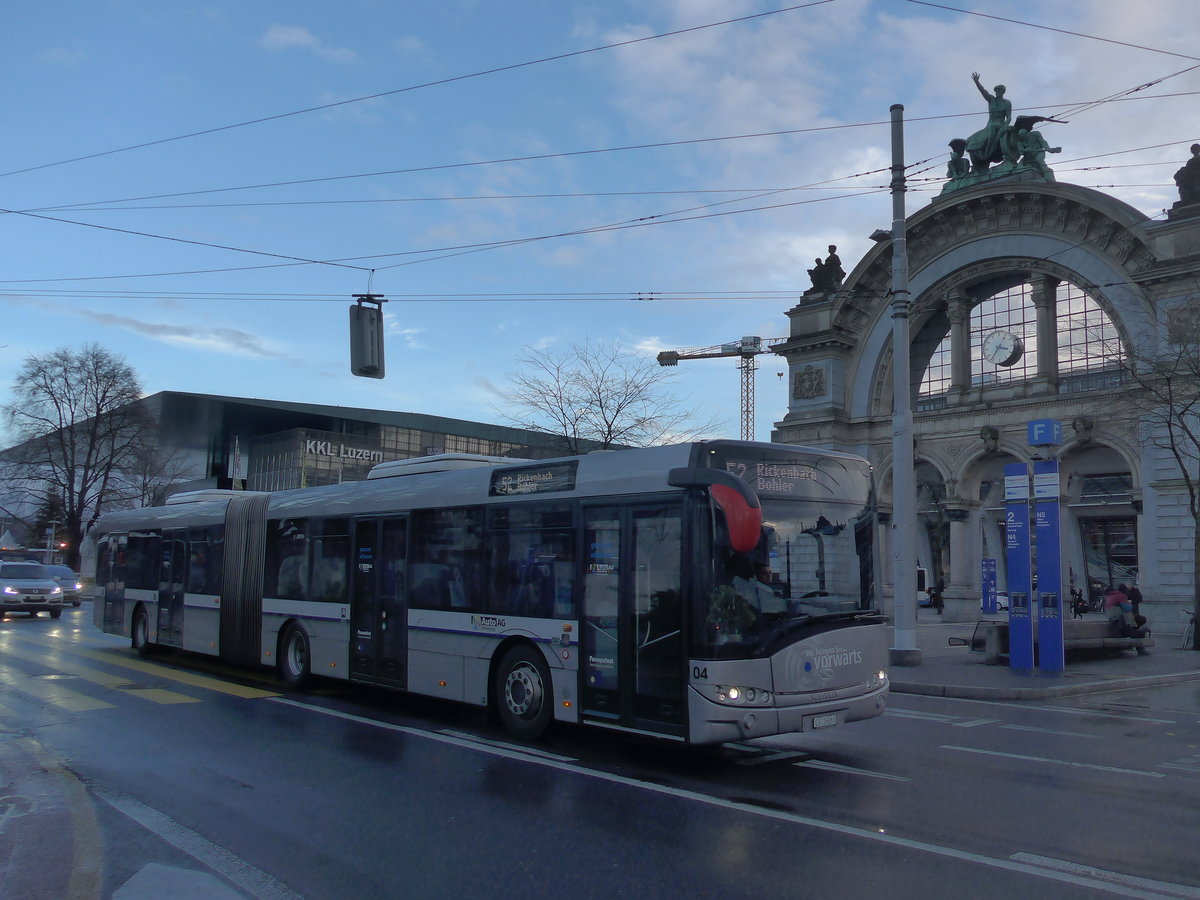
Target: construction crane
x=747, y=351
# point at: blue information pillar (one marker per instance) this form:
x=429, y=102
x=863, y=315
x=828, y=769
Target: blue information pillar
x=1020, y=623
x=1049, y=566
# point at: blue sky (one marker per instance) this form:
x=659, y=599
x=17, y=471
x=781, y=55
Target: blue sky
x=812, y=83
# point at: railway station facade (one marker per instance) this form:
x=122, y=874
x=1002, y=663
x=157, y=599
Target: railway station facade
x=1028, y=298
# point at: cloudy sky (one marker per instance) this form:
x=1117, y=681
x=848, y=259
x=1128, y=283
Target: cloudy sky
x=202, y=186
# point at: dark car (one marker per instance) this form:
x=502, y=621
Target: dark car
x=28, y=587
x=69, y=581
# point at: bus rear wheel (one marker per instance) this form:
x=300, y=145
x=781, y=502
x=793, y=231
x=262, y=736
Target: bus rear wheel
x=522, y=691
x=294, y=666
x=140, y=632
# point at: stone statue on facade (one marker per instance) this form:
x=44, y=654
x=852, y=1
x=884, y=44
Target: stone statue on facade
x=827, y=275
x=1188, y=178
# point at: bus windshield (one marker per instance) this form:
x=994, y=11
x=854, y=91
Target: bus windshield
x=813, y=558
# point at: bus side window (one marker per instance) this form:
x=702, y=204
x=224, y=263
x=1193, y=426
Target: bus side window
x=142, y=560
x=447, y=559
x=330, y=551
x=286, y=575
x=531, y=570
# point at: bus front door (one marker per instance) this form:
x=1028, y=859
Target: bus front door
x=379, y=611
x=632, y=641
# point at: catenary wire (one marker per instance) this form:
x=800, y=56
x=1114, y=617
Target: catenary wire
x=443, y=81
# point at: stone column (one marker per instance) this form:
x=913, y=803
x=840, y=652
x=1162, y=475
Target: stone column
x=958, y=310
x=966, y=550
x=1045, y=301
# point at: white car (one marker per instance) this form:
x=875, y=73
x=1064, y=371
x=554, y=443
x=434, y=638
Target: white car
x=28, y=587
x=69, y=581
x=1001, y=602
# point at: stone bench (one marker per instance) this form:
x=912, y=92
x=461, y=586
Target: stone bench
x=992, y=639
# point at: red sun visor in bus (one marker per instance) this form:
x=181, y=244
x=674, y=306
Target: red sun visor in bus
x=739, y=502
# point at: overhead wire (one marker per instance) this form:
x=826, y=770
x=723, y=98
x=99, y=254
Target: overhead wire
x=661, y=218
x=442, y=81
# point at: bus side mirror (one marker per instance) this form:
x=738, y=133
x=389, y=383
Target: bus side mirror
x=743, y=520
x=737, y=500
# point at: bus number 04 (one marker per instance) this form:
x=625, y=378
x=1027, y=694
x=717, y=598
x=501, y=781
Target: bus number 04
x=700, y=673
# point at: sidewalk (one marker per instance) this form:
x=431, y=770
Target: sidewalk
x=947, y=671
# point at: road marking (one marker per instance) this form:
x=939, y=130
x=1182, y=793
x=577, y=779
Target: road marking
x=113, y=657
x=777, y=756
x=918, y=714
x=974, y=722
x=480, y=740
x=1058, y=762
x=878, y=837
x=1054, y=731
x=1028, y=707
x=1160, y=888
x=249, y=878
x=103, y=679
x=119, y=657
x=849, y=770
x=52, y=692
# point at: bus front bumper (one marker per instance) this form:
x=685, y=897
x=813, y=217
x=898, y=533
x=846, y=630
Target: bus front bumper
x=713, y=723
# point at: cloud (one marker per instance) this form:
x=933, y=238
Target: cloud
x=281, y=38
x=61, y=56
x=220, y=340
x=408, y=336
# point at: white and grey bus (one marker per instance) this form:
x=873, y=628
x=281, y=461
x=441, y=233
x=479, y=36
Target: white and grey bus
x=702, y=592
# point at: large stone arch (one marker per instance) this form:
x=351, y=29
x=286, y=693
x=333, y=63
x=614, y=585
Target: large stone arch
x=961, y=249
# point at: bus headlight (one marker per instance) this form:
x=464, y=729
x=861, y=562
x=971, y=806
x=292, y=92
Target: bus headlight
x=877, y=679
x=742, y=696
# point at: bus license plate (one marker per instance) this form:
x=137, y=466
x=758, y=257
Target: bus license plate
x=824, y=721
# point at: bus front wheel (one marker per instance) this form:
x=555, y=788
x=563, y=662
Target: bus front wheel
x=523, y=693
x=294, y=657
x=140, y=632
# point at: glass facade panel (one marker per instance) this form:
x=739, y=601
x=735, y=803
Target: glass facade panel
x=1089, y=349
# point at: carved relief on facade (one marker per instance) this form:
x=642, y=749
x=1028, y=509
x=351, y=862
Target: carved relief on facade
x=808, y=383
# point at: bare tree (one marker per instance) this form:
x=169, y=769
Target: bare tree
x=80, y=429
x=1165, y=401
x=598, y=396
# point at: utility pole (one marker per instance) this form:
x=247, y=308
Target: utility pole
x=904, y=489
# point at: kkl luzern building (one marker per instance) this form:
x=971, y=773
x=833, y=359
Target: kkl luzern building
x=274, y=445
x=1029, y=300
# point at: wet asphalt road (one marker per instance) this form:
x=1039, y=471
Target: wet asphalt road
x=202, y=779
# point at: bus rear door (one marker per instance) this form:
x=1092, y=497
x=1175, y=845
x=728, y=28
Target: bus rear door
x=632, y=641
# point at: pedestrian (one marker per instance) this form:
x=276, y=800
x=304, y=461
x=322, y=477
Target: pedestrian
x=1078, y=605
x=1135, y=599
x=1135, y=603
x=1120, y=613
x=935, y=599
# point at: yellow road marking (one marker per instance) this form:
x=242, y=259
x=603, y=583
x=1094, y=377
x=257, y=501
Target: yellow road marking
x=104, y=679
x=52, y=692
x=120, y=657
x=115, y=658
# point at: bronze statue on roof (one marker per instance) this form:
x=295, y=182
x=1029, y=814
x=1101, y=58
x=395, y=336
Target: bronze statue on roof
x=1006, y=148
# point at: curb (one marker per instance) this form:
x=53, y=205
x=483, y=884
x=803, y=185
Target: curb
x=978, y=692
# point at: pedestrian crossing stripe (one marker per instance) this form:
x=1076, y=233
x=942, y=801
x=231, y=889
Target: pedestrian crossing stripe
x=121, y=658
x=103, y=679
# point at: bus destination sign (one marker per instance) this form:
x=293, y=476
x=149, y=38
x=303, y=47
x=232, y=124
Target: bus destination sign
x=772, y=478
x=547, y=479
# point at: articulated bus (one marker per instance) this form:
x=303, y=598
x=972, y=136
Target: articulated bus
x=705, y=592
